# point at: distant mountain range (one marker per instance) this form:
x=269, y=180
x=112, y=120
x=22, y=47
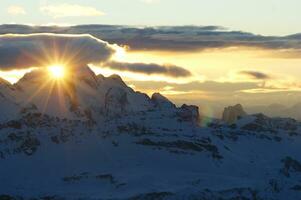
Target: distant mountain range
x=277, y=110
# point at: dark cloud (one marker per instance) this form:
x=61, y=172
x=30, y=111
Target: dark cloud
x=167, y=70
x=23, y=51
x=255, y=75
x=170, y=38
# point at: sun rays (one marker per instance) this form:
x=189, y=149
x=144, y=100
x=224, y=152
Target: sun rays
x=52, y=86
x=56, y=71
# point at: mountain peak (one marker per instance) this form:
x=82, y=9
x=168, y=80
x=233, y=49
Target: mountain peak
x=161, y=101
x=86, y=75
x=117, y=78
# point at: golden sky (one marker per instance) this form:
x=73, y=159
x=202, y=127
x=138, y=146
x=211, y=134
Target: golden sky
x=220, y=65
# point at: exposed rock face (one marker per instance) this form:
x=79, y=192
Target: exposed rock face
x=189, y=113
x=115, y=101
x=162, y=102
x=232, y=113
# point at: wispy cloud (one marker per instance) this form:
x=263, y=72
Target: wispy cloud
x=149, y=69
x=70, y=10
x=16, y=10
x=207, y=86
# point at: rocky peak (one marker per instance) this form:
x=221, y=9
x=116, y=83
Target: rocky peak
x=161, y=101
x=189, y=113
x=86, y=75
x=84, y=71
x=232, y=113
x=117, y=79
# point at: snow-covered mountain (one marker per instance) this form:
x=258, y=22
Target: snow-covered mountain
x=96, y=138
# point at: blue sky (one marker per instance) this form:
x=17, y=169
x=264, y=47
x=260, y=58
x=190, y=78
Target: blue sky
x=268, y=17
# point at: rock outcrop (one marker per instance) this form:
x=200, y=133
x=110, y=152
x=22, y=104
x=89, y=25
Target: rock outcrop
x=162, y=102
x=189, y=113
x=232, y=113
x=116, y=101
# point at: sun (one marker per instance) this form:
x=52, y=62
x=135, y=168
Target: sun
x=57, y=71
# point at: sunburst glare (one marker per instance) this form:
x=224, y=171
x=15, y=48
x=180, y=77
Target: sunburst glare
x=57, y=71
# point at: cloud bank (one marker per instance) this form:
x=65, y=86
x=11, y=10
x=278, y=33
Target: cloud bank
x=172, y=38
x=149, y=69
x=21, y=51
x=36, y=50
